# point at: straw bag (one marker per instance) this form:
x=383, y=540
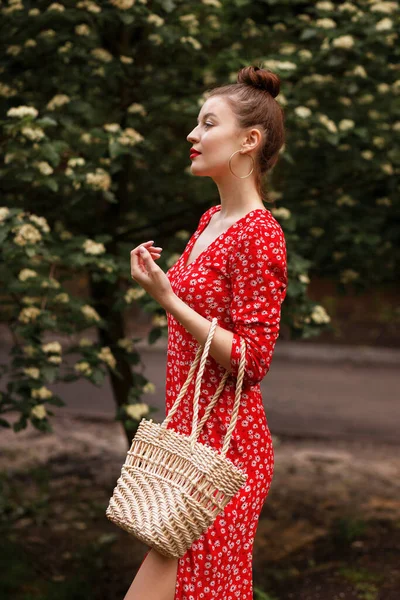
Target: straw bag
x=171, y=486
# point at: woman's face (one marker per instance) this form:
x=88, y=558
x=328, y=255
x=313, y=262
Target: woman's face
x=216, y=136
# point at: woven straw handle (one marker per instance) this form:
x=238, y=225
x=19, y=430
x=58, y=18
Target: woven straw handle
x=196, y=428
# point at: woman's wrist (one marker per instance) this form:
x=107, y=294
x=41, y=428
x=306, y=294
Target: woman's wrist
x=170, y=303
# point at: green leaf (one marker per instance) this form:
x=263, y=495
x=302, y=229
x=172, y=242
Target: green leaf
x=49, y=373
x=307, y=34
x=55, y=401
x=97, y=376
x=51, y=184
x=154, y=335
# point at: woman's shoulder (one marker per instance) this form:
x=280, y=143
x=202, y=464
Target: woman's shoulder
x=262, y=225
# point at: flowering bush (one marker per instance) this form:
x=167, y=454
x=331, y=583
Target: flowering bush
x=341, y=97
x=93, y=140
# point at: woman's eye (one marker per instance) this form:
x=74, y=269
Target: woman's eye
x=207, y=124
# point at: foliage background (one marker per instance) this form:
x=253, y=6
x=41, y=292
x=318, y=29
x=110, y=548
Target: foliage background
x=96, y=101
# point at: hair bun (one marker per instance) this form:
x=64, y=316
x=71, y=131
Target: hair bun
x=261, y=79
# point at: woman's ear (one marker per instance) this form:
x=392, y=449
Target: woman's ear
x=252, y=139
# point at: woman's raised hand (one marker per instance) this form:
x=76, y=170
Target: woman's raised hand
x=148, y=274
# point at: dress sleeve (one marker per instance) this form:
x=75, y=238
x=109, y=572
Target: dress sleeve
x=258, y=274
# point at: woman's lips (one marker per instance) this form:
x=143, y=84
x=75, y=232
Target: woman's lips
x=194, y=154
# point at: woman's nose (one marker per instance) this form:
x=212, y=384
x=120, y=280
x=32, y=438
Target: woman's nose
x=191, y=137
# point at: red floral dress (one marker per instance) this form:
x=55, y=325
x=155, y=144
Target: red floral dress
x=240, y=278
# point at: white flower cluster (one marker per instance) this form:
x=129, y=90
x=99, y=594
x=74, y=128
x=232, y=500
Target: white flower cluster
x=135, y=107
x=76, y=162
x=303, y=112
x=34, y=134
x=191, y=22
x=279, y=65
x=346, y=42
x=4, y=212
x=84, y=368
x=56, y=7
x=29, y=351
x=191, y=40
x=32, y=372
x=385, y=7
x=91, y=247
x=304, y=278
x=346, y=124
x=40, y=222
x=42, y=393
x=319, y=315
x=215, y=3
x=52, y=348
x=62, y=298
x=136, y=411
x=19, y=112
x=14, y=6
x=156, y=39
x=30, y=300
x=326, y=23
x=126, y=60
x=89, y=6
x=329, y=124
x=159, y=321
x=90, y=313
x=347, y=7
x=122, y=4
x=126, y=344
x=325, y=6
x=134, y=294
x=57, y=101
x=149, y=388
x=112, y=127
x=26, y=234
x=43, y=167
x=39, y=411
x=281, y=212
x=7, y=91
x=100, y=180
x=82, y=29
x=106, y=356
x=48, y=33
x=384, y=25
x=65, y=48
x=130, y=137
x=156, y=20
x=102, y=55
x=26, y=274
x=346, y=200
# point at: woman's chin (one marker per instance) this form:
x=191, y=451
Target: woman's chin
x=196, y=170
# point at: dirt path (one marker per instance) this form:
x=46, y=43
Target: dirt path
x=324, y=497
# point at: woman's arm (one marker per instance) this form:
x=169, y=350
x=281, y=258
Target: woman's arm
x=198, y=326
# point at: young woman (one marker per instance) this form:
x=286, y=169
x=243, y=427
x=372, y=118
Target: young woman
x=233, y=268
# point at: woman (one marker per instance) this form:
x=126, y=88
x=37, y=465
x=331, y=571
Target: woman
x=233, y=268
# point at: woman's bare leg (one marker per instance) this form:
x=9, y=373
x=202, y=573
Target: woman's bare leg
x=155, y=580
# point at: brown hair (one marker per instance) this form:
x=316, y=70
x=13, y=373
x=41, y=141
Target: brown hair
x=252, y=102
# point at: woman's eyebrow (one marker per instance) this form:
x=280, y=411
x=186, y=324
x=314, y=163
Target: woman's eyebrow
x=209, y=114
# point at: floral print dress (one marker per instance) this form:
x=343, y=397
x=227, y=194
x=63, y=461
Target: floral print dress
x=240, y=278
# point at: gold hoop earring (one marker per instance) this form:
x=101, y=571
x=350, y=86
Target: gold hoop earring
x=243, y=176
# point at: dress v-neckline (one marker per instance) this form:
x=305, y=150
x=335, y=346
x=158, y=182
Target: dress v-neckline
x=190, y=247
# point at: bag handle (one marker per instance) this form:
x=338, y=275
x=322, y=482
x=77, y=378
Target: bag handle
x=201, y=356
